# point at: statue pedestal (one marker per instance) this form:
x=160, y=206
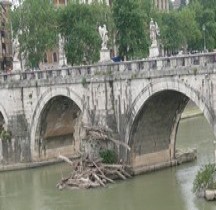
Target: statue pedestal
x=17, y=65
x=153, y=52
x=62, y=61
x=104, y=55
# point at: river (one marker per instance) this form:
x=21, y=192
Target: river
x=168, y=189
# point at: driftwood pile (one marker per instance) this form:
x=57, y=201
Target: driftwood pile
x=91, y=174
x=87, y=173
x=99, y=133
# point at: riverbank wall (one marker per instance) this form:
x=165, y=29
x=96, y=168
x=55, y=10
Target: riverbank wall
x=23, y=166
x=181, y=156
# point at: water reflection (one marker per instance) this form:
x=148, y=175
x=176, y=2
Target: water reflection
x=168, y=189
x=194, y=133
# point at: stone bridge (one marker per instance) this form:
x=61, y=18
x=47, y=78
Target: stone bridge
x=140, y=101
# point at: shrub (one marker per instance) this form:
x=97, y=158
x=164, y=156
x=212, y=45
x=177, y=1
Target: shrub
x=205, y=178
x=5, y=135
x=108, y=156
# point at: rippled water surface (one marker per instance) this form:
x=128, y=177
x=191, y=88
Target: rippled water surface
x=169, y=189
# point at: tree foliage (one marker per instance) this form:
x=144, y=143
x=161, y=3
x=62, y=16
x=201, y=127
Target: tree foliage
x=171, y=37
x=179, y=30
x=79, y=26
x=188, y=24
x=131, y=36
x=34, y=24
x=205, y=15
x=183, y=29
x=147, y=8
x=37, y=25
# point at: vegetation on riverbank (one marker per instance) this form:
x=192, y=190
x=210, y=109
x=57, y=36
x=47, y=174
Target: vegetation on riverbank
x=5, y=134
x=205, y=180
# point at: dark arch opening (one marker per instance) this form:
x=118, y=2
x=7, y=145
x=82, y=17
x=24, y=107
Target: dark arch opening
x=57, y=127
x=153, y=132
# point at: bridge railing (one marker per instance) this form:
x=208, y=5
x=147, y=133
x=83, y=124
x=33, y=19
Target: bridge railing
x=153, y=64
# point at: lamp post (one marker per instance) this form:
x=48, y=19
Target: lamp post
x=204, y=37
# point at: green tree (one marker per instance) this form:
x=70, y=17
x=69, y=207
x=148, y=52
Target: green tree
x=79, y=26
x=131, y=36
x=171, y=37
x=189, y=27
x=147, y=8
x=179, y=30
x=205, y=11
x=34, y=24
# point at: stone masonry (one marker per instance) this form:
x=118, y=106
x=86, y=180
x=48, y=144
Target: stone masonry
x=140, y=101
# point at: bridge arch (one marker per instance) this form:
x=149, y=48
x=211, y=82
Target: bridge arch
x=48, y=97
x=139, y=115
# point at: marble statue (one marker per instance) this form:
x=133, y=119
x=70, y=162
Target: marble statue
x=16, y=48
x=17, y=58
x=154, y=32
x=104, y=36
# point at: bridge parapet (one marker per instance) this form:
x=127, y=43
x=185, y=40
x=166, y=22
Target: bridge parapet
x=160, y=63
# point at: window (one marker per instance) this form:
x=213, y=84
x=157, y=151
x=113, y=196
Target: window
x=62, y=2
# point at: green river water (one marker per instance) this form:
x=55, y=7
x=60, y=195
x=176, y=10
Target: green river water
x=168, y=189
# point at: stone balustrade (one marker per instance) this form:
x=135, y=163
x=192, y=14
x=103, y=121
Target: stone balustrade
x=160, y=63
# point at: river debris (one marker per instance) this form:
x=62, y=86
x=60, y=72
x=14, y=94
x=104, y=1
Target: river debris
x=88, y=173
x=185, y=155
x=100, y=133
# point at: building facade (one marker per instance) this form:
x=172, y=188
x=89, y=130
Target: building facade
x=162, y=5
x=179, y=3
x=108, y=2
x=60, y=2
